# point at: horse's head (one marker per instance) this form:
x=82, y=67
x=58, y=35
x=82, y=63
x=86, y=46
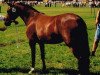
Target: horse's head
x=12, y=14
x=16, y=9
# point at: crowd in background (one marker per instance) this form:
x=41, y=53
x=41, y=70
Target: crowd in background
x=50, y=3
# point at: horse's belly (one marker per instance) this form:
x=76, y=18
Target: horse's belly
x=54, y=39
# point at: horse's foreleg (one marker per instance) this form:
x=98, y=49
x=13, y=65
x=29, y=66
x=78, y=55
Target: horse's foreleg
x=42, y=55
x=33, y=51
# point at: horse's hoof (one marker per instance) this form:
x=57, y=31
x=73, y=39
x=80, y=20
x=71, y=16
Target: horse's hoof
x=30, y=72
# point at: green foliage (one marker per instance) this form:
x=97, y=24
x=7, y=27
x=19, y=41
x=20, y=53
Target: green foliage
x=14, y=61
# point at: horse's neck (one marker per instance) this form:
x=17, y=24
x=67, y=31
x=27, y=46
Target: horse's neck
x=26, y=16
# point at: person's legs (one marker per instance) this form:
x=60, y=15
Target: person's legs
x=95, y=45
x=96, y=40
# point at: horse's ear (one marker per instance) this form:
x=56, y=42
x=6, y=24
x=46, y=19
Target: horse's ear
x=10, y=4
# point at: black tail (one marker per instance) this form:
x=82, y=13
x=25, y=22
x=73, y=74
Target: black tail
x=80, y=46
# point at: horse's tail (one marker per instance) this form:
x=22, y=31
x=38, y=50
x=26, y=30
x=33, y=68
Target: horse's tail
x=80, y=45
x=85, y=62
x=83, y=35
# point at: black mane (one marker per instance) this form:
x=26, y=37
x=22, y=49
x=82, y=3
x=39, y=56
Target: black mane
x=28, y=6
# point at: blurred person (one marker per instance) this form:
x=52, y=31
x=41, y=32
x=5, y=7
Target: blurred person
x=97, y=34
x=2, y=18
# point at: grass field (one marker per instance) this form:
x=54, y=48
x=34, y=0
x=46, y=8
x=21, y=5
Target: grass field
x=59, y=58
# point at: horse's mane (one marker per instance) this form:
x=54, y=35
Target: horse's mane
x=28, y=6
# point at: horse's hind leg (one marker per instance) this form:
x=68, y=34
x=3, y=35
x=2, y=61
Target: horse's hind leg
x=42, y=55
x=33, y=51
x=80, y=49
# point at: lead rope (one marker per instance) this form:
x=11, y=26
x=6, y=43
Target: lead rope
x=16, y=26
x=17, y=41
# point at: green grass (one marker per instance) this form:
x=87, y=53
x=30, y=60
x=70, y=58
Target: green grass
x=59, y=58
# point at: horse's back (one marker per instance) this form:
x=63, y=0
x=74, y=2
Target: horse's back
x=54, y=28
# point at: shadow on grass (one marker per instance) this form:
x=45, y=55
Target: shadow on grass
x=11, y=43
x=52, y=71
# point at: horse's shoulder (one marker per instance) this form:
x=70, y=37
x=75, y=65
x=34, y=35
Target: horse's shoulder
x=30, y=31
